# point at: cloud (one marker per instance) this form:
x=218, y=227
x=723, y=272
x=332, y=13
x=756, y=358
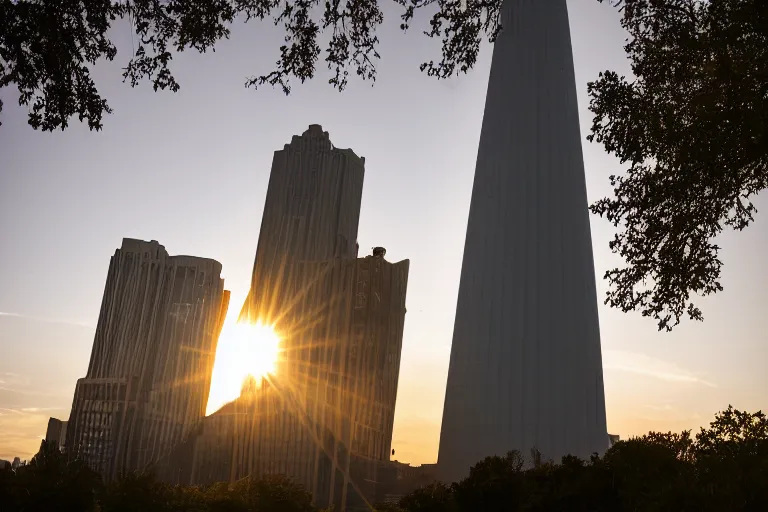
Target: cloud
x=22, y=410
x=13, y=378
x=13, y=382
x=34, y=392
x=28, y=412
x=20, y=433
x=665, y=407
x=641, y=364
x=47, y=320
x=39, y=409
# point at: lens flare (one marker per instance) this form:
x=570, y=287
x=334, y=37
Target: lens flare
x=244, y=350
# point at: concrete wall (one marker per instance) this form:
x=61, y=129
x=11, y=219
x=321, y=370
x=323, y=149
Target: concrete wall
x=525, y=369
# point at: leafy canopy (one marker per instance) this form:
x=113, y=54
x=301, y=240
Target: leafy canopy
x=47, y=46
x=692, y=124
x=723, y=467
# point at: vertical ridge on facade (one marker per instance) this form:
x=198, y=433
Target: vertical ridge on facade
x=325, y=416
x=149, y=374
x=525, y=369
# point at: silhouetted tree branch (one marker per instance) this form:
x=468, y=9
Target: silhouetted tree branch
x=48, y=46
x=723, y=467
x=692, y=123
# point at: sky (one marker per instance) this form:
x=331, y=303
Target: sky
x=190, y=170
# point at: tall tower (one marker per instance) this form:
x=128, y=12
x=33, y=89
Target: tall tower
x=311, y=213
x=526, y=369
x=324, y=417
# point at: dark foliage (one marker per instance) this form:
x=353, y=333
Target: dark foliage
x=725, y=467
x=434, y=497
x=51, y=483
x=693, y=126
x=47, y=46
x=692, y=123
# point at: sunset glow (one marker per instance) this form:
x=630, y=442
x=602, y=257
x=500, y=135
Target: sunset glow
x=244, y=350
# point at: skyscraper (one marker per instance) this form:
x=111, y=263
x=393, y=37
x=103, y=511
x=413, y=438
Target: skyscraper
x=149, y=374
x=311, y=213
x=325, y=416
x=525, y=369
x=345, y=365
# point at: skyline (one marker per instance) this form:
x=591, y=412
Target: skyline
x=56, y=190
x=330, y=323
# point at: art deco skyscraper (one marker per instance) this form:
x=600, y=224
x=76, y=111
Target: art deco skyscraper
x=311, y=213
x=324, y=417
x=150, y=370
x=525, y=369
x=347, y=364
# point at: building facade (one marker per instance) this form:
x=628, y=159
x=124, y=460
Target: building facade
x=525, y=368
x=343, y=357
x=56, y=433
x=149, y=375
x=325, y=416
x=346, y=336
x=311, y=213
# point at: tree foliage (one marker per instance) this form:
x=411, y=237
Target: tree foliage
x=49, y=482
x=724, y=467
x=48, y=46
x=692, y=124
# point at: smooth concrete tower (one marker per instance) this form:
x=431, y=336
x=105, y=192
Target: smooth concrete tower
x=526, y=369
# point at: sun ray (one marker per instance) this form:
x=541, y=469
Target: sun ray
x=245, y=349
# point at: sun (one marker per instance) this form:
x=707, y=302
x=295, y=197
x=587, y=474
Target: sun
x=244, y=349
x=260, y=348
